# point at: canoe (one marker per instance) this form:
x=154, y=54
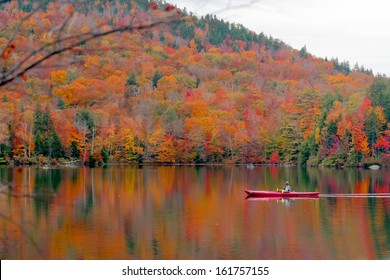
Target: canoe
x=277, y=199
x=280, y=194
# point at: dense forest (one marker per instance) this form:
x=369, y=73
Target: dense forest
x=198, y=90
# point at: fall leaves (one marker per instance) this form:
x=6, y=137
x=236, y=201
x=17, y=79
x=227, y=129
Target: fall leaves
x=176, y=95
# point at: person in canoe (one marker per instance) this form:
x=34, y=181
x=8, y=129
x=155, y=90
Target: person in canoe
x=287, y=187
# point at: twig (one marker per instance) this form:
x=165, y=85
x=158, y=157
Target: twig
x=17, y=29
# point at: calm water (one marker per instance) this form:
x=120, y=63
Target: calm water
x=190, y=213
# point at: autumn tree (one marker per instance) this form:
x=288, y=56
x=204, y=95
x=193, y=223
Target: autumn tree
x=47, y=142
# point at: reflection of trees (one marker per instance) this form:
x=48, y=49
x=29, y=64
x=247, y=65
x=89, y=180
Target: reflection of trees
x=188, y=213
x=85, y=204
x=380, y=214
x=47, y=182
x=8, y=243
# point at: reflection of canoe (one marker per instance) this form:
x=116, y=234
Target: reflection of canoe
x=280, y=194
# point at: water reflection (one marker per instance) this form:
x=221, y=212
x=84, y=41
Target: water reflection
x=177, y=212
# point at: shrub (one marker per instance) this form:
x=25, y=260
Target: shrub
x=385, y=161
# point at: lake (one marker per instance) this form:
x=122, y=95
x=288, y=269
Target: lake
x=188, y=212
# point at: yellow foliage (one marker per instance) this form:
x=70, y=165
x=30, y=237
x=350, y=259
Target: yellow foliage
x=317, y=135
x=200, y=34
x=82, y=91
x=167, y=84
x=58, y=77
x=342, y=128
x=167, y=152
x=214, y=50
x=129, y=145
x=340, y=78
x=249, y=54
x=335, y=112
x=193, y=45
x=380, y=115
x=354, y=102
x=77, y=138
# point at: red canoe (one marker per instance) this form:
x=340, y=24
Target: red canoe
x=280, y=194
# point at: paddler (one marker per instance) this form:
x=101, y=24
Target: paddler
x=287, y=187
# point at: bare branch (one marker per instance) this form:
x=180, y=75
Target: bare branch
x=23, y=20
x=69, y=42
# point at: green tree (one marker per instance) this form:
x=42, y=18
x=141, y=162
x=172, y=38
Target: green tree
x=306, y=149
x=131, y=80
x=303, y=52
x=47, y=142
x=380, y=94
x=289, y=144
x=85, y=123
x=372, y=128
x=157, y=76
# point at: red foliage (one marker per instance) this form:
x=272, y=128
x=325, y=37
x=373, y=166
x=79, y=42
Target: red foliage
x=245, y=114
x=153, y=5
x=274, y=158
x=169, y=8
x=382, y=143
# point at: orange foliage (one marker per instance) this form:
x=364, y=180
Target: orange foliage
x=220, y=102
x=58, y=77
x=7, y=51
x=340, y=79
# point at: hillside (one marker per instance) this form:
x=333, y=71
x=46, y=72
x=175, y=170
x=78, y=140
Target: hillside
x=193, y=91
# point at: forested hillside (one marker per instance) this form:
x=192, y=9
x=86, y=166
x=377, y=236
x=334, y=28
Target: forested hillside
x=200, y=90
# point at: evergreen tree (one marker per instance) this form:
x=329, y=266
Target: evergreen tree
x=306, y=149
x=157, y=76
x=380, y=94
x=289, y=144
x=47, y=142
x=85, y=116
x=372, y=128
x=303, y=52
x=131, y=81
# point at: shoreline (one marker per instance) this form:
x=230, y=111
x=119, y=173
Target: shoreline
x=249, y=166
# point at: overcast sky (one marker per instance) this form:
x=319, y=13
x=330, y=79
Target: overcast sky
x=353, y=30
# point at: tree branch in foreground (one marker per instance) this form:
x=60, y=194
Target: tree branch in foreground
x=64, y=43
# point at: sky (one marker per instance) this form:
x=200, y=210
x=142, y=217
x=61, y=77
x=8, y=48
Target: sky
x=352, y=30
